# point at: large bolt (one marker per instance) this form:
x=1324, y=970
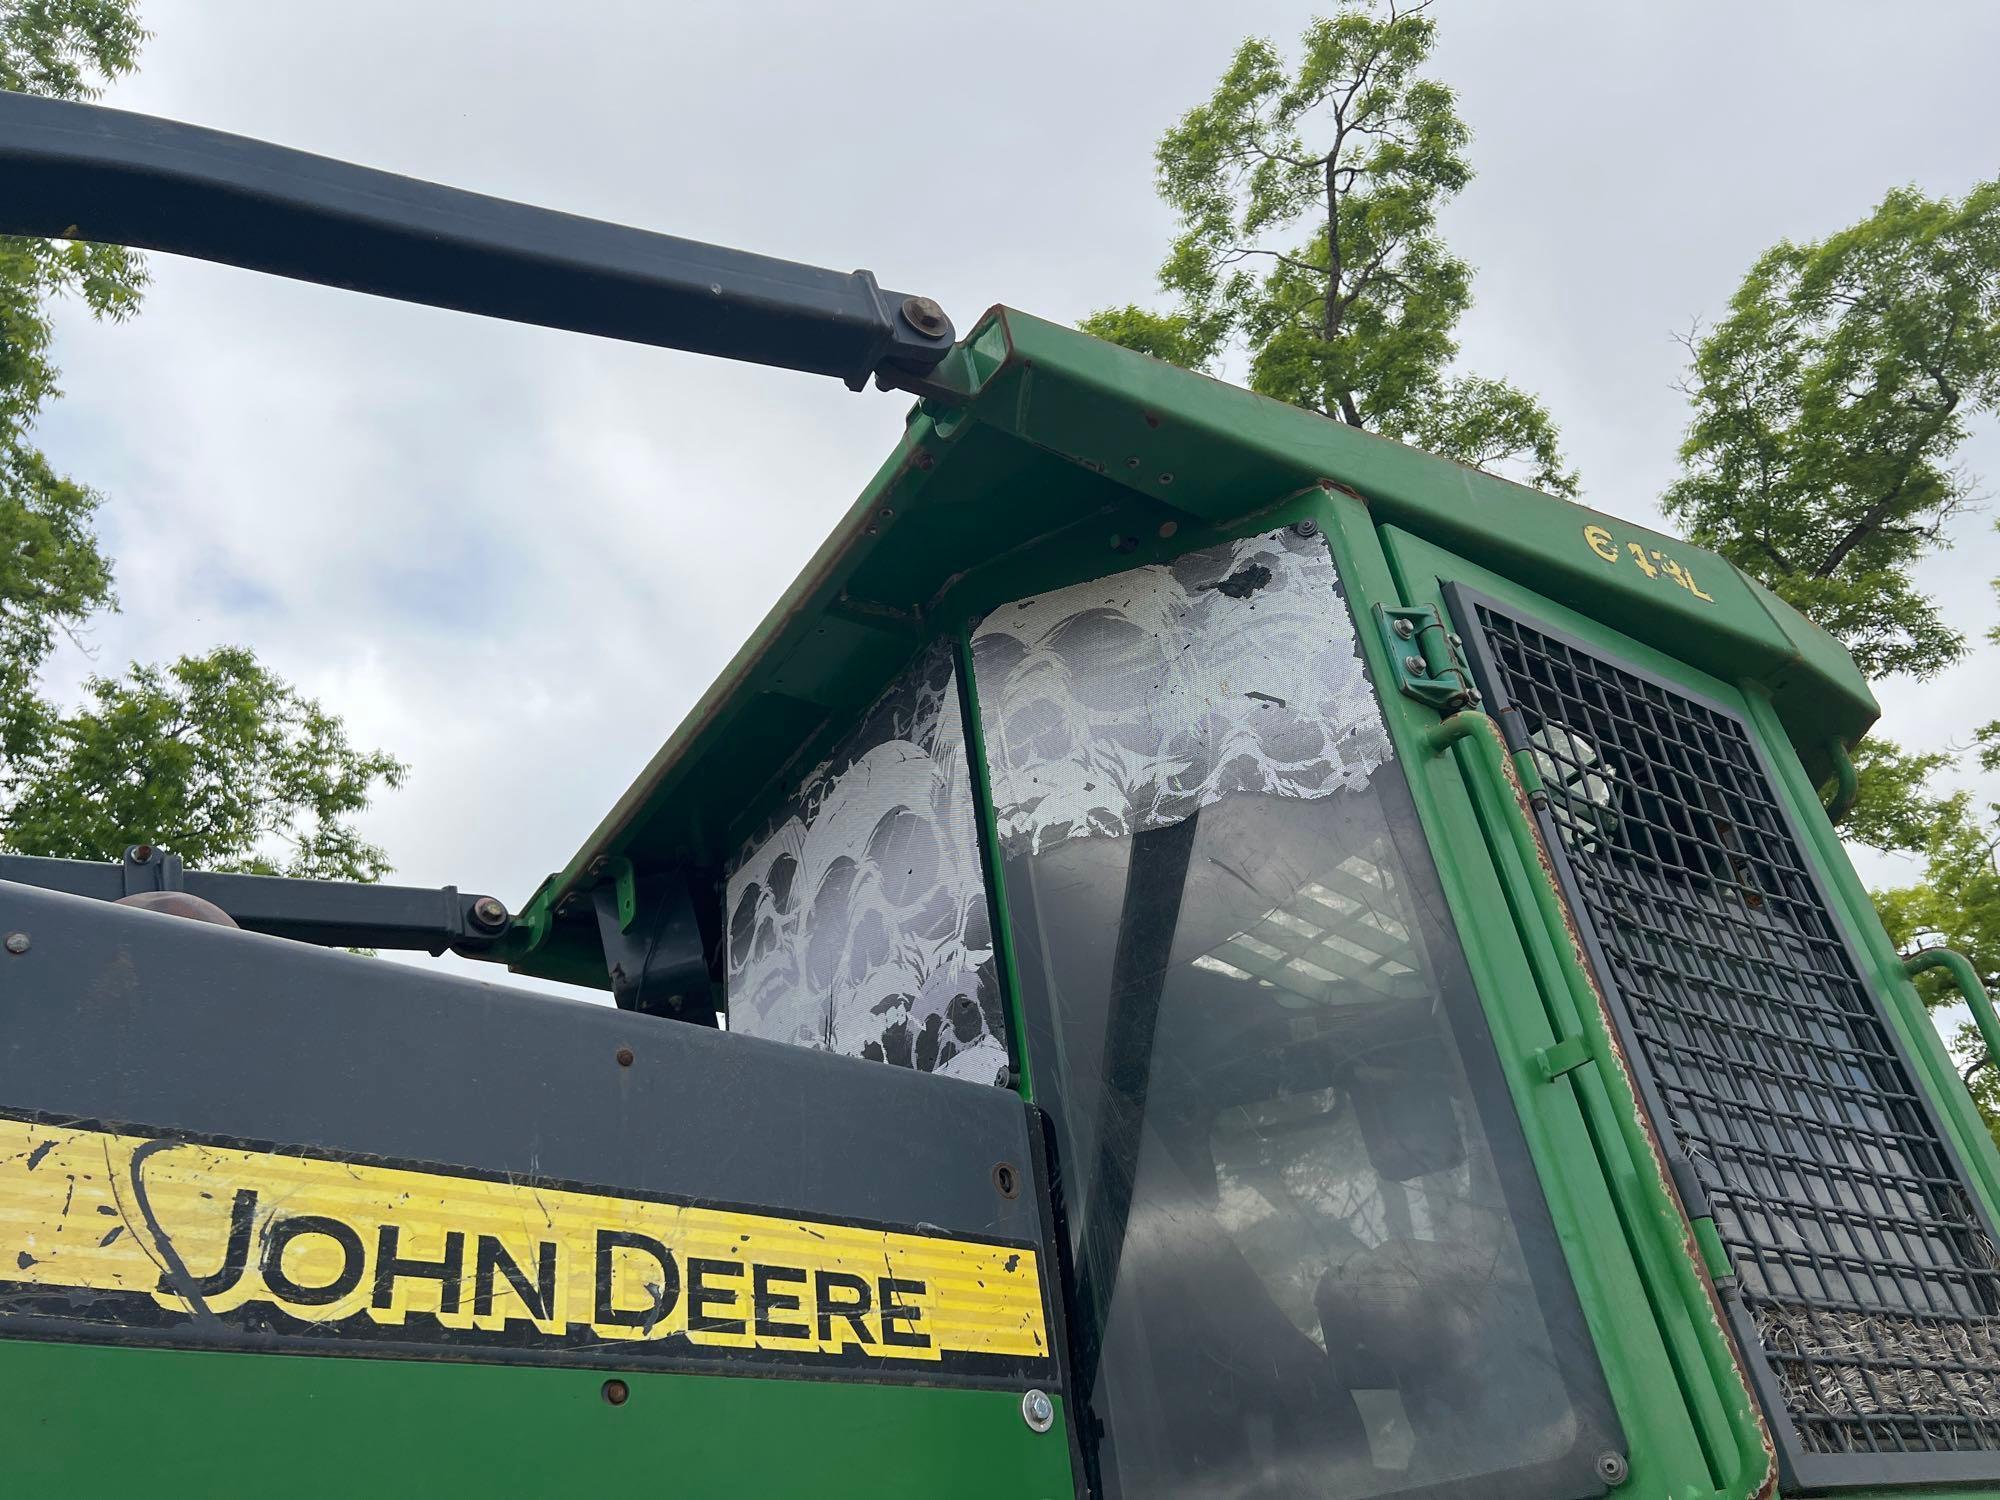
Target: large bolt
x=490, y=911
x=926, y=317
x=1038, y=1411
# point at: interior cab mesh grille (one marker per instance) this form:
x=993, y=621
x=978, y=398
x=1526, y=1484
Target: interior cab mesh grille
x=1866, y=1274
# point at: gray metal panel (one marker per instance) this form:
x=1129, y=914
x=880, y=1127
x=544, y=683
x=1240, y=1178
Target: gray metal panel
x=128, y=1016
x=145, y=1025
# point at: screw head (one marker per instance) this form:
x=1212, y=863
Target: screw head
x=1006, y=1181
x=1612, y=1467
x=616, y=1392
x=141, y=853
x=924, y=315
x=17, y=942
x=1416, y=666
x=1038, y=1411
x=1305, y=528
x=1405, y=628
x=490, y=911
x=1456, y=641
x=624, y=1057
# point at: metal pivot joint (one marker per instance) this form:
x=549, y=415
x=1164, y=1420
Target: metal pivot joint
x=1424, y=657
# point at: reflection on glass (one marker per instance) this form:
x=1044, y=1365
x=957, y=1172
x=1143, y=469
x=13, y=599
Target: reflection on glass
x=1310, y=1257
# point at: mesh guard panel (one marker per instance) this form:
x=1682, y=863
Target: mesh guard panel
x=1867, y=1277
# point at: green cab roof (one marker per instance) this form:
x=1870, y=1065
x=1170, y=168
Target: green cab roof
x=1034, y=436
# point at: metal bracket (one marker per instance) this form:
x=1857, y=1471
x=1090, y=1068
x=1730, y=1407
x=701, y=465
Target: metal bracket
x=1416, y=640
x=1565, y=1056
x=653, y=947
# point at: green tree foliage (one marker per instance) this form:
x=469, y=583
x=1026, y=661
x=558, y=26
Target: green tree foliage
x=52, y=575
x=1308, y=197
x=1895, y=811
x=1956, y=903
x=231, y=758
x=212, y=756
x=1955, y=900
x=1829, y=406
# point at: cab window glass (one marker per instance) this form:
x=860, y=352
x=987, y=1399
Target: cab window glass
x=857, y=919
x=1311, y=1256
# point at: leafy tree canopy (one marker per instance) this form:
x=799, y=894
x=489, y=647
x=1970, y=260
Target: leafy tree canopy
x=1829, y=406
x=230, y=757
x=212, y=756
x=1308, y=196
x=52, y=575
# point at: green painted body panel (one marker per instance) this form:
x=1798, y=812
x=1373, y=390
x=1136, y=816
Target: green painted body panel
x=1054, y=440
x=83, y=1420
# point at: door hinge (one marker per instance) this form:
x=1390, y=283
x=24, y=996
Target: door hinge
x=1426, y=658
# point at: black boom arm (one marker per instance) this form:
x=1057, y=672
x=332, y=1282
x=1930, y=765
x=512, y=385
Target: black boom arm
x=82, y=172
x=331, y=913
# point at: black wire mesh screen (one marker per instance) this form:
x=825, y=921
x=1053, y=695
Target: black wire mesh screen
x=1866, y=1274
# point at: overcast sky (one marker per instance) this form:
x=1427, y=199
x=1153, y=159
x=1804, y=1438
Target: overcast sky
x=516, y=557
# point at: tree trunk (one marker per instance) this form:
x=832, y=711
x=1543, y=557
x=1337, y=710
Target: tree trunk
x=1343, y=400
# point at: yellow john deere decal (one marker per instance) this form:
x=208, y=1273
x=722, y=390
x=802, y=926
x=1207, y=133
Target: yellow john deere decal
x=203, y=1229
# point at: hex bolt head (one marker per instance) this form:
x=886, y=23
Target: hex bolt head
x=17, y=942
x=1038, y=1411
x=490, y=911
x=1612, y=1467
x=1416, y=666
x=1405, y=628
x=926, y=317
x=140, y=853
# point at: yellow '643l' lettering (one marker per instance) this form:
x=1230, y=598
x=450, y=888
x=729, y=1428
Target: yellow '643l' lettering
x=1650, y=560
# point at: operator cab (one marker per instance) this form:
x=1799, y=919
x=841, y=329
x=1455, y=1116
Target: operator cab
x=1106, y=754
